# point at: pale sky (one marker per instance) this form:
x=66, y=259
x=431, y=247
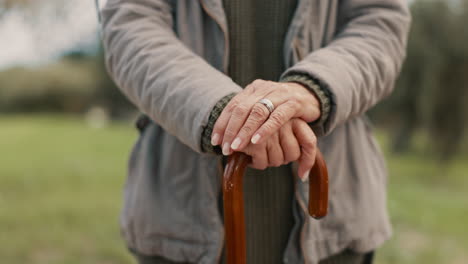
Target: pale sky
x=26, y=41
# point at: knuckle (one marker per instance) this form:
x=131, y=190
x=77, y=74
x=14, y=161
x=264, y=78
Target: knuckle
x=283, y=88
x=277, y=118
x=258, y=165
x=228, y=108
x=229, y=134
x=235, y=100
x=258, y=162
x=288, y=160
x=309, y=144
x=259, y=112
x=240, y=110
x=292, y=155
x=246, y=130
x=276, y=163
x=252, y=151
x=250, y=88
x=313, y=141
x=258, y=82
x=232, y=105
x=294, y=104
x=275, y=156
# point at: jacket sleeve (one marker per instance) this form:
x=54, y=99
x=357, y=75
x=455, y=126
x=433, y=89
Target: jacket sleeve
x=360, y=65
x=166, y=81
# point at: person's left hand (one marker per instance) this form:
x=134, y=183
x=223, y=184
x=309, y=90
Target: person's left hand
x=244, y=120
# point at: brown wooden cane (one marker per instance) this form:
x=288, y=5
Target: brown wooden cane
x=234, y=222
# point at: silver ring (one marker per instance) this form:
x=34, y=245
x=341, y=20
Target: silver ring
x=269, y=105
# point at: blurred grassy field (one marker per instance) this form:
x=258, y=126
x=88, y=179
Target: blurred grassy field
x=61, y=182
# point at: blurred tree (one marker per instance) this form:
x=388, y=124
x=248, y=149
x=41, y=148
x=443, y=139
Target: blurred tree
x=73, y=84
x=416, y=79
x=432, y=92
x=11, y=3
x=449, y=112
x=64, y=86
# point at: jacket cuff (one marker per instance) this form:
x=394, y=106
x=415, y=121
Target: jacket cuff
x=323, y=95
x=215, y=113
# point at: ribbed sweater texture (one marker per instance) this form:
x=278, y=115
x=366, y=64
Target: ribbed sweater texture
x=256, y=33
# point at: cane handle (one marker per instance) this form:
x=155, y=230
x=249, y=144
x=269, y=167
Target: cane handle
x=233, y=200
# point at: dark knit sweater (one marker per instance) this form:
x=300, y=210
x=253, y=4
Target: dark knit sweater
x=256, y=31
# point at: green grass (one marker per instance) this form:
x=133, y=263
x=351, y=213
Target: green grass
x=60, y=190
x=428, y=204
x=61, y=182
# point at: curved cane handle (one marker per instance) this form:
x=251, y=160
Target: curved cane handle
x=318, y=188
x=233, y=200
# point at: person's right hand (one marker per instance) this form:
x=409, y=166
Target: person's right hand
x=295, y=141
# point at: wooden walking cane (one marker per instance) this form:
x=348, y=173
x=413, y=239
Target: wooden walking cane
x=234, y=222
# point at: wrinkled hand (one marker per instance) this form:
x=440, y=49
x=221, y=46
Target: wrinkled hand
x=294, y=141
x=245, y=121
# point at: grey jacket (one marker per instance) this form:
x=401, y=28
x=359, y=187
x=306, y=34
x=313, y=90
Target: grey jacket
x=169, y=57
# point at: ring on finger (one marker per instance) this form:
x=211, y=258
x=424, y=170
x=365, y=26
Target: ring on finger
x=268, y=104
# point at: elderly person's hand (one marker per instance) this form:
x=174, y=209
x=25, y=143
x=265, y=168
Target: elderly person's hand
x=245, y=120
x=294, y=141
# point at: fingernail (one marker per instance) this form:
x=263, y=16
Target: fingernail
x=215, y=139
x=226, y=149
x=236, y=143
x=255, y=138
x=305, y=176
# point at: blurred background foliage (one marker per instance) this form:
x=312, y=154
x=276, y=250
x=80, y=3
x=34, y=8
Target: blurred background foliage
x=432, y=91
x=73, y=84
x=65, y=134
x=429, y=98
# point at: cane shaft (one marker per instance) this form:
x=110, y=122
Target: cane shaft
x=233, y=199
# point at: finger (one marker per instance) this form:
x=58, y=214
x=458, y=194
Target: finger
x=289, y=145
x=308, y=143
x=238, y=117
x=282, y=114
x=257, y=117
x=244, y=123
x=222, y=122
x=275, y=153
x=223, y=119
x=275, y=92
x=259, y=157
